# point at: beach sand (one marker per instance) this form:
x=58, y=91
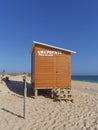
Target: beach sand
x=45, y=114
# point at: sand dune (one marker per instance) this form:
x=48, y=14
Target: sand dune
x=45, y=114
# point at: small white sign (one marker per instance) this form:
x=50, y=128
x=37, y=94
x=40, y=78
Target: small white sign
x=48, y=53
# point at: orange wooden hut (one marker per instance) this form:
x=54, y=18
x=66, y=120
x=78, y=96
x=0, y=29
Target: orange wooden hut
x=50, y=67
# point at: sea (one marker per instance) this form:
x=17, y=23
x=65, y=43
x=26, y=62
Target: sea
x=88, y=78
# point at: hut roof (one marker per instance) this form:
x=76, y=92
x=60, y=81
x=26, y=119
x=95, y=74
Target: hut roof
x=47, y=45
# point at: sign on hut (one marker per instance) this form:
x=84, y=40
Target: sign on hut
x=51, y=69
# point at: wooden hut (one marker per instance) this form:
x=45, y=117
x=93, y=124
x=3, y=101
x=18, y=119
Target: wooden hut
x=50, y=67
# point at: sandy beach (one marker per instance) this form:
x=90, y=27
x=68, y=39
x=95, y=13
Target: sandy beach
x=45, y=114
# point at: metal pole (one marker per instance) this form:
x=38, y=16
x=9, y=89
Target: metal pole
x=25, y=95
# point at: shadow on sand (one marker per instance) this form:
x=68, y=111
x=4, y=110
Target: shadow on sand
x=18, y=87
x=12, y=113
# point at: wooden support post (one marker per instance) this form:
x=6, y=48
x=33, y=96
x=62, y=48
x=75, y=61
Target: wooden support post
x=51, y=93
x=35, y=93
x=25, y=95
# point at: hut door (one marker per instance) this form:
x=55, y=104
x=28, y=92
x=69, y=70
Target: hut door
x=61, y=71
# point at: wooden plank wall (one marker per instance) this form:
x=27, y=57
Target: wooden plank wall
x=51, y=71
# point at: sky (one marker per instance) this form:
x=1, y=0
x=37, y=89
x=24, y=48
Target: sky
x=69, y=24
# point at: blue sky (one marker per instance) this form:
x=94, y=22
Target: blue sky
x=70, y=24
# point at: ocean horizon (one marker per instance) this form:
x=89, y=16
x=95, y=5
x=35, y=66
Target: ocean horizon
x=87, y=78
